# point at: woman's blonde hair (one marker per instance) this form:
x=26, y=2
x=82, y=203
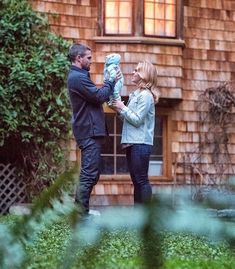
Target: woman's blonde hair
x=148, y=73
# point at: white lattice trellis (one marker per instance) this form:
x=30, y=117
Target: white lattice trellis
x=12, y=189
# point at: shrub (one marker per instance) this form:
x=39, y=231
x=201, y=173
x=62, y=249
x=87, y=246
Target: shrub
x=34, y=108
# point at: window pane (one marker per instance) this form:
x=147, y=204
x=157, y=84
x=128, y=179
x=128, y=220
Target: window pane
x=111, y=9
x=149, y=10
x=157, y=146
x=109, y=121
x=158, y=126
x=111, y=26
x=122, y=165
x=119, y=125
x=160, y=27
x=125, y=26
x=125, y=9
x=170, y=28
x=149, y=27
x=108, y=147
x=107, y=165
x=159, y=11
x=120, y=150
x=170, y=12
x=155, y=168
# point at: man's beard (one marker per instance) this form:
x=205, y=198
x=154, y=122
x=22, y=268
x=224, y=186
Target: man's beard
x=87, y=68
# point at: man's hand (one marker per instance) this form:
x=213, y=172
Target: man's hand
x=112, y=75
x=115, y=74
x=118, y=74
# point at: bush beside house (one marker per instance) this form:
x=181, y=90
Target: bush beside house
x=34, y=105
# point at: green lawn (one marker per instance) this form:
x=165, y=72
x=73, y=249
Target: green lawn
x=123, y=249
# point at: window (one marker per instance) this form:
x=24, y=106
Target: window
x=118, y=17
x=156, y=158
x=160, y=18
x=154, y=18
x=114, y=158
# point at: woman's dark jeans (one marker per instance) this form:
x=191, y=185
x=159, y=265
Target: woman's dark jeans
x=89, y=171
x=138, y=156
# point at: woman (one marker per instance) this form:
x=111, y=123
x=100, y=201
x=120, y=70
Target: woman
x=138, y=128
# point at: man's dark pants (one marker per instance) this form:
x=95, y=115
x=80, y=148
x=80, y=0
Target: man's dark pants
x=89, y=171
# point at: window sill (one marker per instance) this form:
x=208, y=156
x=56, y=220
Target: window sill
x=119, y=179
x=139, y=40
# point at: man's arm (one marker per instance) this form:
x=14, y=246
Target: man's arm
x=87, y=90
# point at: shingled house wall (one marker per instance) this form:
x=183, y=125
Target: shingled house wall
x=204, y=58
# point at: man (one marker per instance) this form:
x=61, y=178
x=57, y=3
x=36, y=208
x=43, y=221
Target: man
x=88, y=120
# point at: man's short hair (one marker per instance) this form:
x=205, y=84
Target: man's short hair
x=77, y=49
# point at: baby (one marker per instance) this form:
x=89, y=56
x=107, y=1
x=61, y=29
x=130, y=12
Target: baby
x=112, y=61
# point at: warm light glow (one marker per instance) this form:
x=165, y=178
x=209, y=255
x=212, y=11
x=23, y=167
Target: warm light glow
x=125, y=9
x=123, y=26
x=160, y=17
x=111, y=9
x=149, y=10
x=149, y=27
x=171, y=2
x=111, y=26
x=170, y=12
x=170, y=28
x=159, y=27
x=159, y=11
x=118, y=17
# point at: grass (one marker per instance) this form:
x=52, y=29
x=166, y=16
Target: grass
x=123, y=249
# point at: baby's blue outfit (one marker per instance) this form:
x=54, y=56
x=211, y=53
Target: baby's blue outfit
x=112, y=61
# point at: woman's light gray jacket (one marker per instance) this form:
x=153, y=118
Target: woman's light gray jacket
x=138, y=118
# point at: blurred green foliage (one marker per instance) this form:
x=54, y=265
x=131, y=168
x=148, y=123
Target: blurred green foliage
x=159, y=235
x=123, y=249
x=34, y=108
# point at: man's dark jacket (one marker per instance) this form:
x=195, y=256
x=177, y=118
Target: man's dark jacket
x=86, y=99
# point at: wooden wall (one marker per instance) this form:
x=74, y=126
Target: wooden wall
x=208, y=60
x=205, y=58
